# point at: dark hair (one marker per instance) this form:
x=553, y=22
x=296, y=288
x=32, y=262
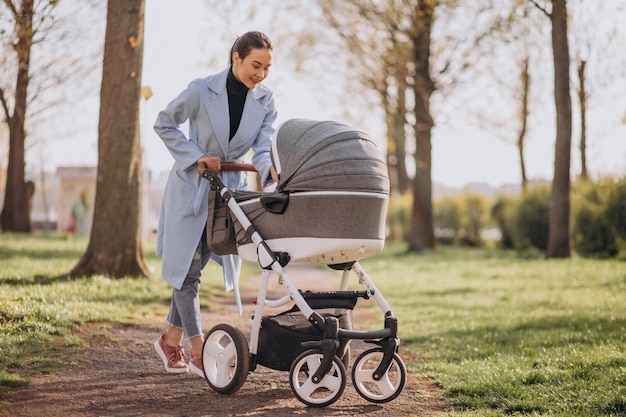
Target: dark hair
x=247, y=42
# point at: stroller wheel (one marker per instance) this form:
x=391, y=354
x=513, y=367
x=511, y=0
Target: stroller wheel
x=225, y=358
x=385, y=389
x=324, y=393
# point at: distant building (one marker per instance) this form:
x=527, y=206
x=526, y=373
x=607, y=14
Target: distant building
x=76, y=196
x=77, y=192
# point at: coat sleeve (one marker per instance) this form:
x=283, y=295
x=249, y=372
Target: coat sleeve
x=167, y=125
x=262, y=146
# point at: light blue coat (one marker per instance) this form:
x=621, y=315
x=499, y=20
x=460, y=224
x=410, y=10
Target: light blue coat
x=184, y=209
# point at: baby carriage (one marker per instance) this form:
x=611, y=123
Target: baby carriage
x=328, y=208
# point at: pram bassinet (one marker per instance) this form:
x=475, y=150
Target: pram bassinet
x=330, y=204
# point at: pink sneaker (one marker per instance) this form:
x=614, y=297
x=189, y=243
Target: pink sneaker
x=173, y=357
x=195, y=366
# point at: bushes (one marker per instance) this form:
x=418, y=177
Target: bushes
x=530, y=219
x=616, y=208
x=598, y=211
x=461, y=219
x=501, y=214
x=592, y=233
x=447, y=213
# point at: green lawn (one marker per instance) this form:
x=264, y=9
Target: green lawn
x=502, y=333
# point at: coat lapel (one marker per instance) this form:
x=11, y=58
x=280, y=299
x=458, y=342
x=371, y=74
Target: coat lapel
x=251, y=119
x=217, y=110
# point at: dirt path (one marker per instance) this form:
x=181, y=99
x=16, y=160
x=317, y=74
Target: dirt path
x=119, y=374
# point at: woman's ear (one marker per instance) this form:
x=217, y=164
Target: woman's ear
x=236, y=58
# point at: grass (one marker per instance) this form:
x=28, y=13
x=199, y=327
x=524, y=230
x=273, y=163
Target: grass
x=501, y=333
x=40, y=309
x=510, y=335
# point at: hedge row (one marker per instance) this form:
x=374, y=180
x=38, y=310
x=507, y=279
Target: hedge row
x=598, y=218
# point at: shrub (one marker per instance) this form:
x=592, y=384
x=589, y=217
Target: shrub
x=447, y=217
x=616, y=209
x=399, y=216
x=530, y=219
x=473, y=219
x=461, y=219
x=501, y=215
x=592, y=232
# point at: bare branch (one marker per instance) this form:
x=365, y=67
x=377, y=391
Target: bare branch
x=543, y=9
x=11, y=7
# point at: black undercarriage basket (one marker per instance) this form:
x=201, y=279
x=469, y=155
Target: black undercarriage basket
x=281, y=336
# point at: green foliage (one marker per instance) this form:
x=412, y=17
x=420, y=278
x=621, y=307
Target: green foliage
x=399, y=216
x=616, y=209
x=447, y=216
x=461, y=219
x=504, y=334
x=501, y=215
x=475, y=210
x=530, y=219
x=593, y=234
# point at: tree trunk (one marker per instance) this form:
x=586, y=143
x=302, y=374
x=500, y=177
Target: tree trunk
x=115, y=243
x=422, y=234
x=521, y=137
x=399, y=136
x=15, y=215
x=559, y=226
x=582, y=101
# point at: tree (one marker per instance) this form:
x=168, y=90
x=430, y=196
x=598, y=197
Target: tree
x=559, y=222
x=422, y=231
x=596, y=48
x=15, y=215
x=391, y=40
x=115, y=242
x=57, y=36
x=380, y=56
x=513, y=47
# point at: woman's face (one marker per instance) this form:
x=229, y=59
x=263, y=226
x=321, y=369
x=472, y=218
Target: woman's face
x=254, y=68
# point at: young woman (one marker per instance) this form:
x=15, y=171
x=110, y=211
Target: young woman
x=229, y=113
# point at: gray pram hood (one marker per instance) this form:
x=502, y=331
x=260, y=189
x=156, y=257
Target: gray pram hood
x=327, y=155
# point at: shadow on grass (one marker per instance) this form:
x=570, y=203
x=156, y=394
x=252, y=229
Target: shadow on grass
x=547, y=333
x=37, y=280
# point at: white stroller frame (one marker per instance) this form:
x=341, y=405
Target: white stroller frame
x=318, y=376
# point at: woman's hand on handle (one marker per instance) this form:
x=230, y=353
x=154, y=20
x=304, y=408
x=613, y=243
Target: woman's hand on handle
x=274, y=174
x=210, y=163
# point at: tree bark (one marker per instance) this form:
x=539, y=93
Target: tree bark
x=399, y=135
x=422, y=234
x=395, y=120
x=15, y=214
x=582, y=102
x=559, y=222
x=521, y=137
x=115, y=242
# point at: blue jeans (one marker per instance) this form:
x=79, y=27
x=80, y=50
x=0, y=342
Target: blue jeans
x=185, y=308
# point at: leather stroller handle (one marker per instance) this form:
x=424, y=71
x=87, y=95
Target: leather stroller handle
x=237, y=166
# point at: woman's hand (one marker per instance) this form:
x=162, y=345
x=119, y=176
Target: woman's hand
x=211, y=163
x=274, y=174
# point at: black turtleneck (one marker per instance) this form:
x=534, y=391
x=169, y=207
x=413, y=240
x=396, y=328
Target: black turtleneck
x=237, y=92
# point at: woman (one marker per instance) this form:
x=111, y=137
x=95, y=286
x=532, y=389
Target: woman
x=229, y=113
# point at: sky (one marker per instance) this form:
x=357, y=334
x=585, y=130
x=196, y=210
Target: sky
x=179, y=46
